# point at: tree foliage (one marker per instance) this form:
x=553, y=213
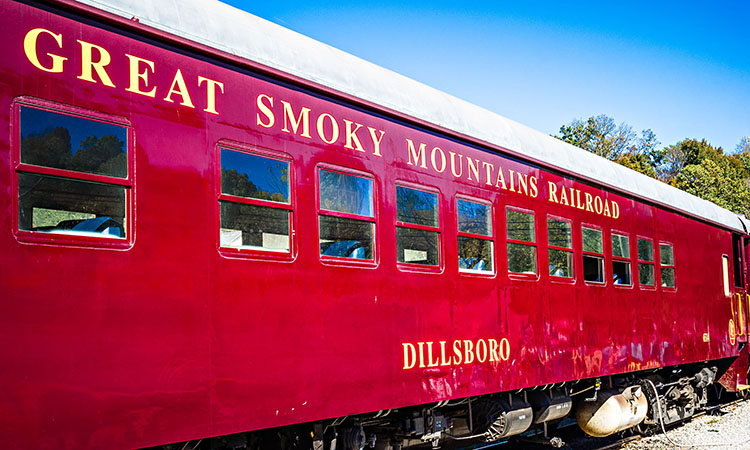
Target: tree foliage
x=694, y=166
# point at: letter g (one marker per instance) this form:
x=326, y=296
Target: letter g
x=29, y=47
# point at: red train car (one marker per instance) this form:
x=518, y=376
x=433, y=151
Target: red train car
x=212, y=225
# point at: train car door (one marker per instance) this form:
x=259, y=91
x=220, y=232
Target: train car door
x=741, y=296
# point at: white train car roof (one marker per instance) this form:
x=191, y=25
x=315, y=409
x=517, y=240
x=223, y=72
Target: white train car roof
x=225, y=28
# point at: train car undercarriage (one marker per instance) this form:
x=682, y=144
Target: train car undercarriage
x=642, y=401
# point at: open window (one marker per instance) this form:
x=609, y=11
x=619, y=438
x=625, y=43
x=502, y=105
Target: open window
x=475, y=245
x=593, y=254
x=346, y=216
x=521, y=229
x=417, y=227
x=74, y=175
x=621, y=269
x=560, y=241
x=255, y=202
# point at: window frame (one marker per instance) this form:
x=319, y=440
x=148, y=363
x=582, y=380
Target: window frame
x=640, y=261
x=622, y=259
x=516, y=275
x=255, y=253
x=491, y=238
x=556, y=278
x=662, y=266
x=128, y=183
x=412, y=267
x=337, y=260
x=602, y=255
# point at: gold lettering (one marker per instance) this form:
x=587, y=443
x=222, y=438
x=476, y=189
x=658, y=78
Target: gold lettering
x=488, y=168
x=564, y=197
x=443, y=161
x=500, y=182
x=579, y=203
x=481, y=351
x=504, y=349
x=430, y=362
x=334, y=128
x=351, y=136
x=589, y=201
x=453, y=164
x=30, y=48
x=136, y=76
x=606, y=209
x=523, y=183
x=421, y=354
x=419, y=155
x=443, y=360
x=266, y=110
x=553, y=192
x=180, y=88
x=468, y=351
x=211, y=93
x=410, y=356
x=512, y=181
x=303, y=119
x=598, y=205
x=494, y=355
x=534, y=187
x=88, y=63
x=615, y=210
x=376, y=140
x=457, y=354
x=473, y=168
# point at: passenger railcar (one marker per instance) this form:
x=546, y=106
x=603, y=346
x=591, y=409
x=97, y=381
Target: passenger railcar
x=212, y=225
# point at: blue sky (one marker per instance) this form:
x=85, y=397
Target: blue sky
x=679, y=68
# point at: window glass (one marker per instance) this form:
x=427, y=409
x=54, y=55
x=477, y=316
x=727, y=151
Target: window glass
x=620, y=246
x=646, y=274
x=246, y=220
x=645, y=250
x=417, y=207
x=560, y=233
x=475, y=254
x=346, y=238
x=254, y=227
x=474, y=218
x=68, y=142
x=592, y=240
x=560, y=263
x=667, y=256
x=520, y=225
x=725, y=272
x=346, y=193
x=521, y=258
x=253, y=176
x=67, y=206
x=621, y=272
x=415, y=246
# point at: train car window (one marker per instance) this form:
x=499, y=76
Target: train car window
x=621, y=272
x=560, y=241
x=645, y=262
x=417, y=227
x=737, y=260
x=593, y=255
x=725, y=273
x=475, y=244
x=666, y=259
x=521, y=229
x=254, y=202
x=346, y=219
x=74, y=176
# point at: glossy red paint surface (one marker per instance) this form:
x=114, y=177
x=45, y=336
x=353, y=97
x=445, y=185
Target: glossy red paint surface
x=170, y=338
